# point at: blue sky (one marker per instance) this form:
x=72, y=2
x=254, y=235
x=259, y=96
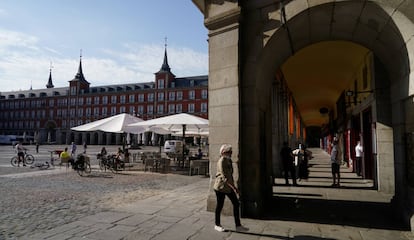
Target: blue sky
x=122, y=41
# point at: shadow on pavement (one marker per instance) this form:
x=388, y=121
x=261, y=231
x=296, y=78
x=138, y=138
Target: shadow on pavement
x=338, y=212
x=299, y=237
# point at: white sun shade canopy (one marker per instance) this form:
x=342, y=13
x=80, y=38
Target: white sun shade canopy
x=175, y=123
x=115, y=124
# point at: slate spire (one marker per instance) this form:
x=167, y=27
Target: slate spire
x=49, y=82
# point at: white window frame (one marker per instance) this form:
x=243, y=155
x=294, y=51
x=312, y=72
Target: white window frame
x=171, y=108
x=179, y=95
x=204, y=94
x=191, y=107
x=179, y=108
x=160, y=108
x=161, y=84
x=160, y=96
x=150, y=97
x=204, y=107
x=171, y=96
x=191, y=94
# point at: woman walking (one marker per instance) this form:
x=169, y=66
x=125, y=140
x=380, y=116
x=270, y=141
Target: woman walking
x=224, y=186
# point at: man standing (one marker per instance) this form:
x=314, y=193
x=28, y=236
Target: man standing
x=73, y=150
x=20, y=154
x=335, y=165
x=358, y=158
x=287, y=161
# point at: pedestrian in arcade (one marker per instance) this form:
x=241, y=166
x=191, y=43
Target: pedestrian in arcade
x=287, y=162
x=359, y=151
x=335, y=165
x=224, y=186
x=304, y=164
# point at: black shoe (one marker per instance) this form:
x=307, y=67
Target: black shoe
x=24, y=165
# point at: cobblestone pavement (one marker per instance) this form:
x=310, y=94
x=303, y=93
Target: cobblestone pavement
x=59, y=204
x=38, y=203
x=34, y=200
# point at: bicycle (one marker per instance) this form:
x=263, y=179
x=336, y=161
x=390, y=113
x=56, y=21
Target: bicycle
x=28, y=159
x=111, y=162
x=41, y=166
x=82, y=165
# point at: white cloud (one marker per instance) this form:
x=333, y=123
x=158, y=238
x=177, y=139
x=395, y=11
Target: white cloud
x=24, y=62
x=17, y=39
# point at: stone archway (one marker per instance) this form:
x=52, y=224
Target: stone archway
x=246, y=54
x=308, y=25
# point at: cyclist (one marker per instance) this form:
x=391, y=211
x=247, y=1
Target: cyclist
x=20, y=154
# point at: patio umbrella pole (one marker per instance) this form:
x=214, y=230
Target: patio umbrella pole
x=123, y=141
x=184, y=127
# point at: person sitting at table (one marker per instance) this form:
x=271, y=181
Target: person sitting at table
x=65, y=157
x=197, y=156
x=120, y=154
x=103, y=154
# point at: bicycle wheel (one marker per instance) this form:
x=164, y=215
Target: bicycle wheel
x=113, y=166
x=102, y=165
x=80, y=170
x=14, y=161
x=88, y=168
x=29, y=159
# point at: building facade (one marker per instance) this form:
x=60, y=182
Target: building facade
x=46, y=115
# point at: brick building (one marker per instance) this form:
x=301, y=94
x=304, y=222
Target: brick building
x=46, y=115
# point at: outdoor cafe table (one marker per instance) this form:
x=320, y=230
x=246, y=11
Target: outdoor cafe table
x=199, y=164
x=58, y=152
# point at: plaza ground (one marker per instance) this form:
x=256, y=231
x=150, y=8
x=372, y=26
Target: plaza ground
x=59, y=204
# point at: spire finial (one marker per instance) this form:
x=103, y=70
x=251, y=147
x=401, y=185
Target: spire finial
x=80, y=54
x=49, y=82
x=165, y=42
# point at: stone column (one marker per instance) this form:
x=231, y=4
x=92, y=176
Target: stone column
x=223, y=24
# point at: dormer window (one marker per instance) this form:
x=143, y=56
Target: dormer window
x=160, y=83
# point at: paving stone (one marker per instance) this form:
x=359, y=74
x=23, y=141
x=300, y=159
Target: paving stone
x=135, y=220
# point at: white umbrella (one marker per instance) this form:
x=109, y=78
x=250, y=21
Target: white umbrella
x=179, y=122
x=173, y=123
x=115, y=124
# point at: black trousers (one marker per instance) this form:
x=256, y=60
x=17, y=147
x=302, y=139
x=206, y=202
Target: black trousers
x=220, y=203
x=289, y=168
x=358, y=163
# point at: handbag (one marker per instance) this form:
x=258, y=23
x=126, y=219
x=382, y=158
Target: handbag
x=219, y=183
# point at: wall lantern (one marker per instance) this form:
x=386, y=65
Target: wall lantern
x=350, y=93
x=354, y=94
